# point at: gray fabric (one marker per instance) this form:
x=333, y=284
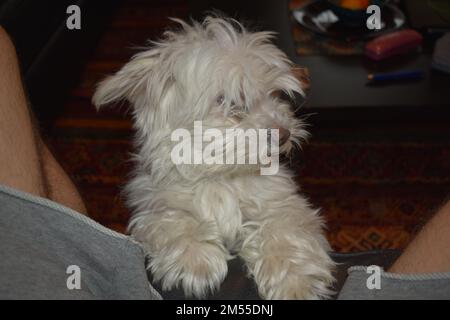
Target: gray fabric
x=432, y=286
x=40, y=239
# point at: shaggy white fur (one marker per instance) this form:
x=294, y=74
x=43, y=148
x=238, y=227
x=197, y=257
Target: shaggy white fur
x=192, y=219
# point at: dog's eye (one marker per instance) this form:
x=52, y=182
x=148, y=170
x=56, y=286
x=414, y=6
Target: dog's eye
x=276, y=94
x=283, y=96
x=220, y=99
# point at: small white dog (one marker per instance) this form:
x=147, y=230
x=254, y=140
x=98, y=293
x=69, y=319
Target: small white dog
x=191, y=219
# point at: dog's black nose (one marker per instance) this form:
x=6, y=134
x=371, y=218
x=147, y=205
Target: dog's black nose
x=284, y=135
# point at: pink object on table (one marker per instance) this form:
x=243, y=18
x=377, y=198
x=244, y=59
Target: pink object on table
x=393, y=44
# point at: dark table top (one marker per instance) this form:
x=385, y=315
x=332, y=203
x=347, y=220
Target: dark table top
x=339, y=82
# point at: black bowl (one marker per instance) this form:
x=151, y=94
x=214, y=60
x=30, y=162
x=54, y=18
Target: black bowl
x=353, y=18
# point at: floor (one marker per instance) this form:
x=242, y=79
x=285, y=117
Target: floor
x=376, y=185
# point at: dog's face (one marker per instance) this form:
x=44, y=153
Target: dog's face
x=216, y=72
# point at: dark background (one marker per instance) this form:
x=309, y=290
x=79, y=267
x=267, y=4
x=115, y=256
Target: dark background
x=378, y=162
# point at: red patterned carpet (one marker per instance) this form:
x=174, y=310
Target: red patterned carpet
x=375, y=186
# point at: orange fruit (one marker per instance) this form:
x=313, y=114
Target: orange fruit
x=355, y=4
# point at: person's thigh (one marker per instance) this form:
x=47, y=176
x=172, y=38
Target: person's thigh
x=60, y=187
x=19, y=157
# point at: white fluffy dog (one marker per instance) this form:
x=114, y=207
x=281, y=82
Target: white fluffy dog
x=191, y=219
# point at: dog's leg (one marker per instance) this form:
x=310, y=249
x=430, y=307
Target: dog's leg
x=183, y=250
x=286, y=251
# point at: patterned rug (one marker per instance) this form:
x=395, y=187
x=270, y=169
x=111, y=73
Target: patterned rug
x=375, y=186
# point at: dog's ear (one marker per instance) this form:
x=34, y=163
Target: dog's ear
x=127, y=83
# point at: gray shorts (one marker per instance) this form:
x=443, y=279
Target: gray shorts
x=372, y=283
x=48, y=251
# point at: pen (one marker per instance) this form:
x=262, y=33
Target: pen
x=394, y=76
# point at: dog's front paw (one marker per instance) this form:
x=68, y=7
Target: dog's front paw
x=300, y=276
x=198, y=267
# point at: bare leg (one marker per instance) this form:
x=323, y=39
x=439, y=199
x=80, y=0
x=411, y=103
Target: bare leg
x=430, y=251
x=26, y=163
x=19, y=156
x=60, y=187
